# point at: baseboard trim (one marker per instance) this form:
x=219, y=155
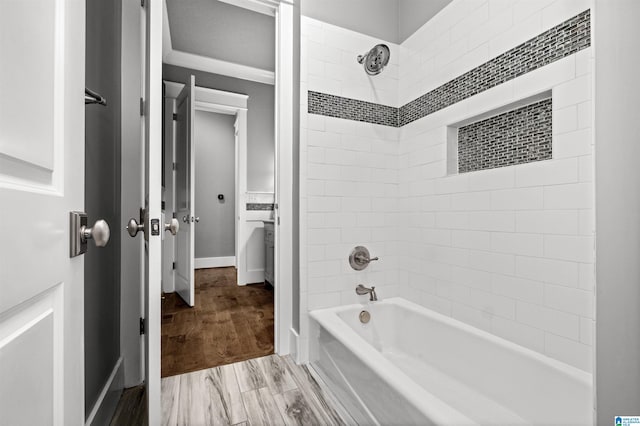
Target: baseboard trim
x=255, y=276
x=293, y=345
x=214, y=262
x=107, y=402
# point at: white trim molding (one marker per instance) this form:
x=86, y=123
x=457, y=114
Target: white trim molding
x=109, y=397
x=266, y=8
x=214, y=262
x=205, y=95
x=211, y=65
x=294, y=345
x=216, y=66
x=283, y=256
x=254, y=276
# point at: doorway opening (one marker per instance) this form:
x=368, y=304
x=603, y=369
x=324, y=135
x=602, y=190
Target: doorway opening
x=165, y=59
x=218, y=306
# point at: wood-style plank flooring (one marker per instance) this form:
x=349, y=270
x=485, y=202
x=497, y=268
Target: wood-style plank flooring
x=229, y=323
x=271, y=390
x=131, y=409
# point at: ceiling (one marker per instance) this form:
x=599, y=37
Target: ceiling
x=222, y=31
x=389, y=20
x=412, y=14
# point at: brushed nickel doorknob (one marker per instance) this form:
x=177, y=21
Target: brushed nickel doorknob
x=185, y=219
x=197, y=219
x=99, y=233
x=81, y=232
x=173, y=226
x=133, y=227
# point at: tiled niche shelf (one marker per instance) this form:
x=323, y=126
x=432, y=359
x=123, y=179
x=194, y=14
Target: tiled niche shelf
x=516, y=133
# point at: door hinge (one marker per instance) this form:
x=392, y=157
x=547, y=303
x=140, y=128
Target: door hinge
x=142, y=328
x=175, y=117
x=174, y=265
x=142, y=3
x=141, y=107
x=175, y=166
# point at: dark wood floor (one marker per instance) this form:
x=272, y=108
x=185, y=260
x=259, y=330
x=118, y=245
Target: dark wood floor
x=132, y=408
x=229, y=323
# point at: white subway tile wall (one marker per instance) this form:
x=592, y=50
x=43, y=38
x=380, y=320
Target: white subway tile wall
x=508, y=250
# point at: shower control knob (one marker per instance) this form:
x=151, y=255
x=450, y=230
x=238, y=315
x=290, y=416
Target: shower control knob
x=360, y=258
x=99, y=233
x=173, y=226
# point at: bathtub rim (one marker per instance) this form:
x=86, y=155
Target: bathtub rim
x=329, y=319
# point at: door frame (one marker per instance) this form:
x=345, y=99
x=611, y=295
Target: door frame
x=282, y=10
x=228, y=103
x=285, y=335
x=222, y=102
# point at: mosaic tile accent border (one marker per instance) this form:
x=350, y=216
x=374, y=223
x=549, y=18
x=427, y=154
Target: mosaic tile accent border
x=563, y=40
x=259, y=206
x=556, y=43
x=352, y=109
x=519, y=136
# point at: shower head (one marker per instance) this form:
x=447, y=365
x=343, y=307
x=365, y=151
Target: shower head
x=376, y=59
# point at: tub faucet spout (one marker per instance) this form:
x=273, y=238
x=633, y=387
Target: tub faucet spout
x=362, y=290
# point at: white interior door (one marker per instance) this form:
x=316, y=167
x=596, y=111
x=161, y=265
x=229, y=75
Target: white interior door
x=41, y=181
x=153, y=198
x=185, y=208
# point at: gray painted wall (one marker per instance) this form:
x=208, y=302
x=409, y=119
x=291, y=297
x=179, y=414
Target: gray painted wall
x=617, y=43
x=412, y=14
x=377, y=18
x=260, y=120
x=389, y=20
x=222, y=31
x=215, y=174
x=102, y=197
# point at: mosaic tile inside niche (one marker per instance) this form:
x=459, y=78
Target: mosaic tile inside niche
x=519, y=136
x=563, y=40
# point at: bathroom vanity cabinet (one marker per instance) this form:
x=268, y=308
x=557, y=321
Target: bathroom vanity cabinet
x=268, y=252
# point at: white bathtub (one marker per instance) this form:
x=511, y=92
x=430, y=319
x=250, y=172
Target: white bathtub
x=410, y=365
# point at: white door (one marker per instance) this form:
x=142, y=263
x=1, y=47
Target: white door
x=185, y=208
x=41, y=181
x=149, y=225
x=153, y=199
